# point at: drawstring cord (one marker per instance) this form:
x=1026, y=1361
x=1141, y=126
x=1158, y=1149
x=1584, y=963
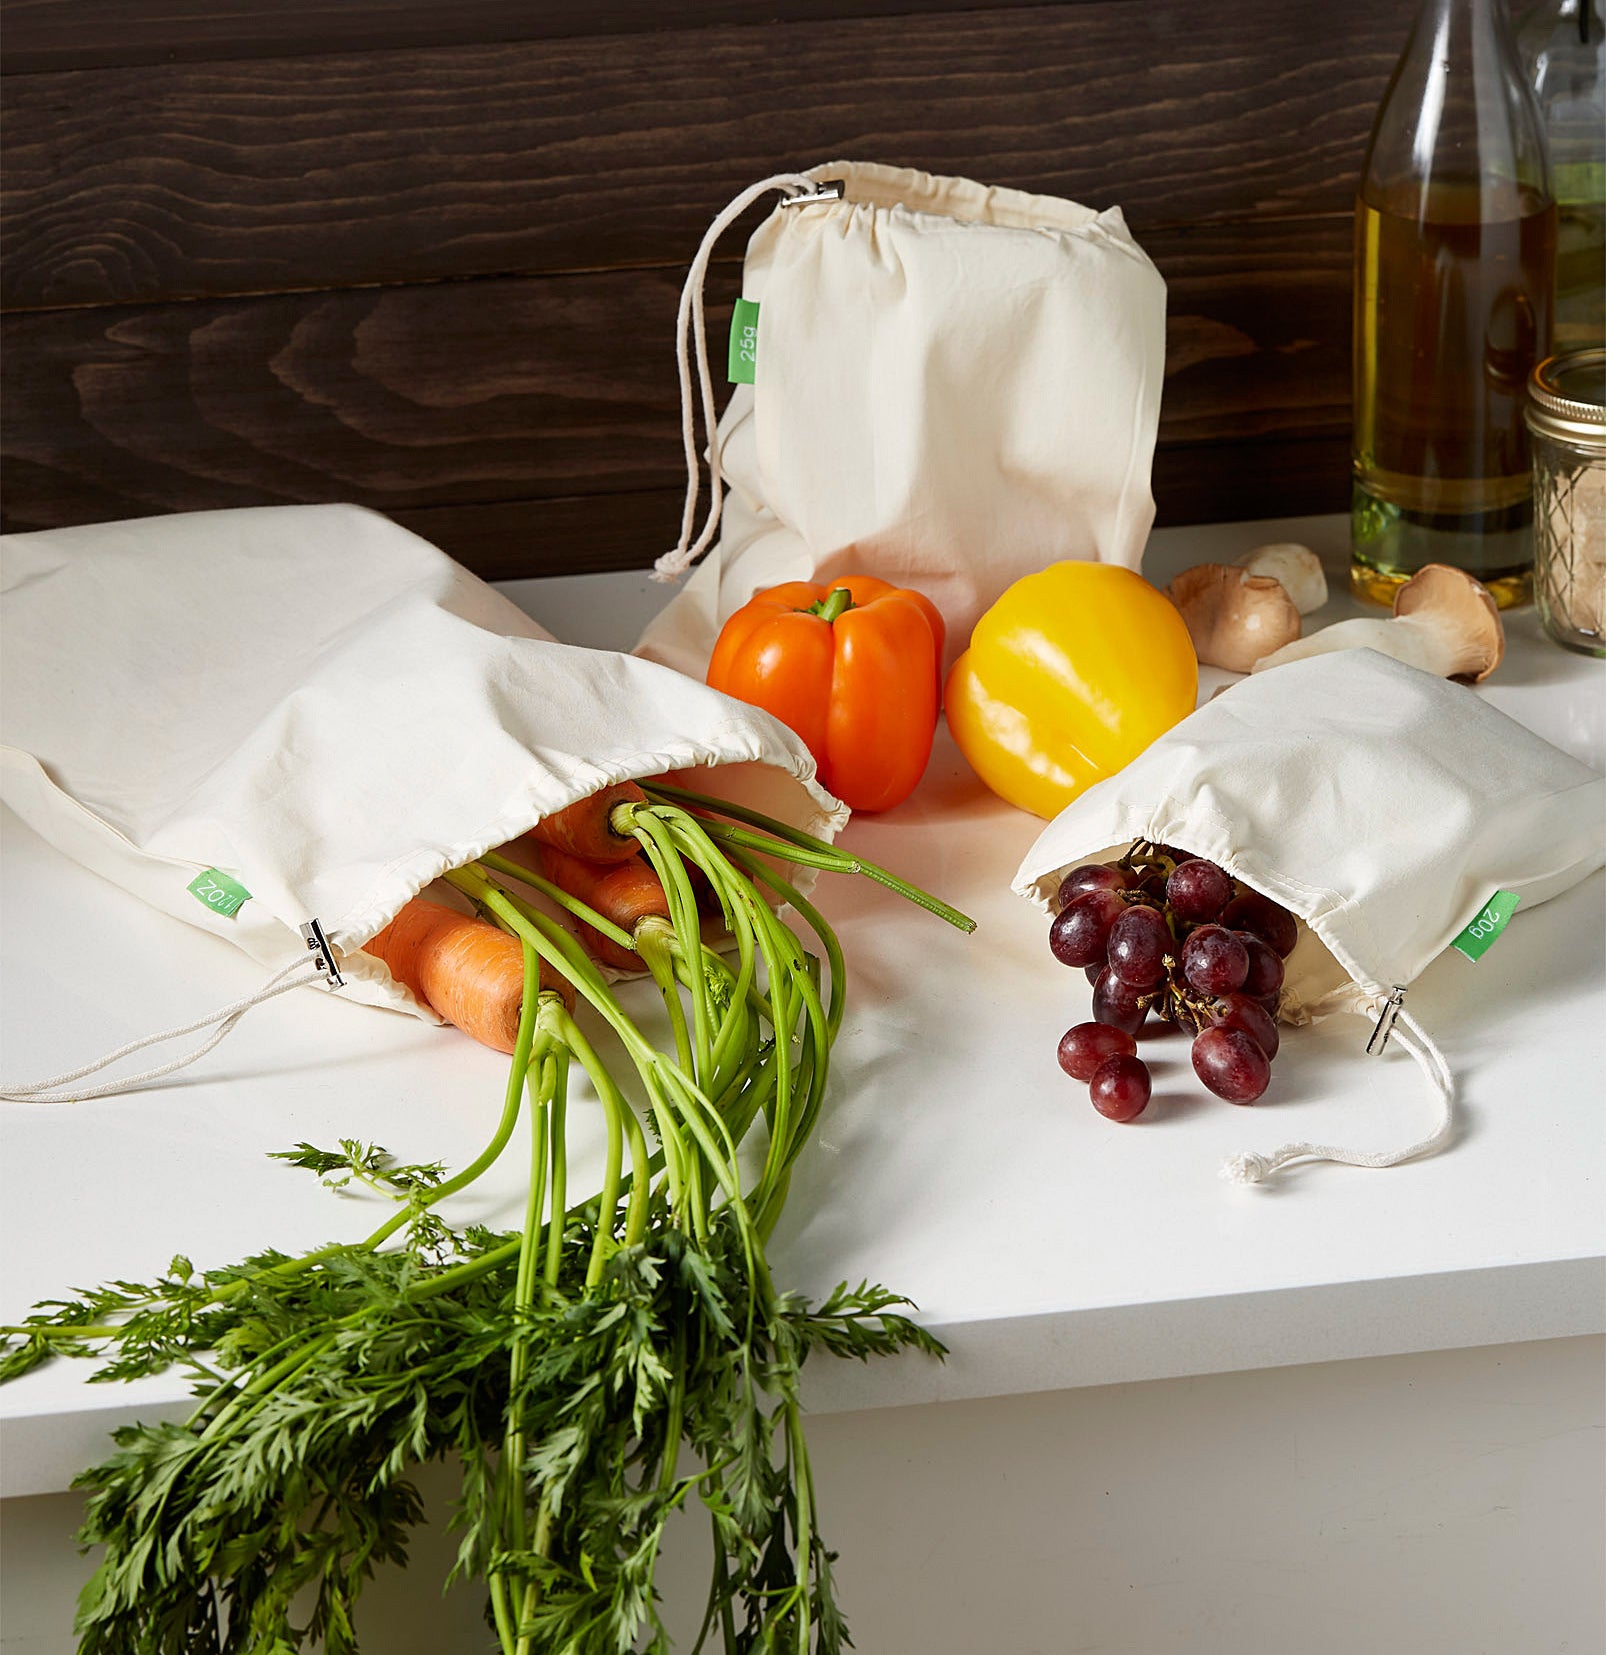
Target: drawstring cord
x=1250, y=1168
x=60, y=1089
x=691, y=329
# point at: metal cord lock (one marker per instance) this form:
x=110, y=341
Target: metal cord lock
x=325, y=955
x=1385, y=1023
x=828, y=189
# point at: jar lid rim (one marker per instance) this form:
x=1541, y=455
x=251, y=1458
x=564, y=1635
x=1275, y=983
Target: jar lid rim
x=1546, y=395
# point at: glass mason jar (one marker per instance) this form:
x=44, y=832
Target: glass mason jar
x=1455, y=240
x=1566, y=416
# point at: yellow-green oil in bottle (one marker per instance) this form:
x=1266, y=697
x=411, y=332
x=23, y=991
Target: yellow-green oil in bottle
x=1452, y=309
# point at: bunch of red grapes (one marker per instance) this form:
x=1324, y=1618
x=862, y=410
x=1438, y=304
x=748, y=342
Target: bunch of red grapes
x=1174, y=935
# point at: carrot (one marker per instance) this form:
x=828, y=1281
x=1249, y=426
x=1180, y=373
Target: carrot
x=628, y=893
x=461, y=967
x=583, y=829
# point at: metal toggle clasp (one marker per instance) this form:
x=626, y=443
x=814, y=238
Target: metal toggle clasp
x=1385, y=1022
x=828, y=189
x=325, y=961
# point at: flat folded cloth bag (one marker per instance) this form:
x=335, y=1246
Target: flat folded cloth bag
x=328, y=713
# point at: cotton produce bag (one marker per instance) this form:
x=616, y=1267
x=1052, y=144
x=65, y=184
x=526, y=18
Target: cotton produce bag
x=326, y=711
x=1381, y=805
x=950, y=386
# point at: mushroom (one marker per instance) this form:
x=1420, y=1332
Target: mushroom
x=1297, y=567
x=1444, y=622
x=1233, y=617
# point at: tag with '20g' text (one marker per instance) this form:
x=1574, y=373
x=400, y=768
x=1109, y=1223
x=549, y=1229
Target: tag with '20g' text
x=1480, y=936
x=220, y=893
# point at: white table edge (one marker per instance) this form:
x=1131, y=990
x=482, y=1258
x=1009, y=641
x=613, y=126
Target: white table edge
x=41, y=1452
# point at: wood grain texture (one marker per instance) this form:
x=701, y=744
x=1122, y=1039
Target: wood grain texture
x=519, y=388
x=408, y=166
x=581, y=534
x=45, y=35
x=386, y=396
x=1200, y=483
x=427, y=257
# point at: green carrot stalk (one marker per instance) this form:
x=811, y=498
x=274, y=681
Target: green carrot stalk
x=671, y=871
x=812, y=852
x=658, y=955
x=812, y=916
x=576, y=906
x=685, y=1227
x=553, y=942
x=549, y=1084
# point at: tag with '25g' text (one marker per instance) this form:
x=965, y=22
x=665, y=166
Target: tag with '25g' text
x=744, y=342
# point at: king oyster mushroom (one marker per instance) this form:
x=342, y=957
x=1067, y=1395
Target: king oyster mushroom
x=1233, y=617
x=1444, y=622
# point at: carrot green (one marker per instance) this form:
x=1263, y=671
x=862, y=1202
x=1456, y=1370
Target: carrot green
x=618, y=1358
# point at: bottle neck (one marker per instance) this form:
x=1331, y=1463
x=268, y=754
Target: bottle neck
x=1459, y=118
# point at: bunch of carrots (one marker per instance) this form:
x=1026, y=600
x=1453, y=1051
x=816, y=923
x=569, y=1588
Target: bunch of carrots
x=619, y=1357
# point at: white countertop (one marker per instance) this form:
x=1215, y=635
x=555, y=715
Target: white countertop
x=1047, y=1246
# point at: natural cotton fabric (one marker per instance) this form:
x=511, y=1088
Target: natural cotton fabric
x=329, y=710
x=1380, y=804
x=954, y=385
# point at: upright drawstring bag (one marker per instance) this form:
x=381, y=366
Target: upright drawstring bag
x=938, y=383
x=279, y=724
x=1387, y=809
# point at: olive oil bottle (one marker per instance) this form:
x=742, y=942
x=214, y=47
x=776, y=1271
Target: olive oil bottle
x=1455, y=246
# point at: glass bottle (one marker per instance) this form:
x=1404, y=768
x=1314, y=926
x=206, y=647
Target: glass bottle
x=1455, y=238
x=1563, y=47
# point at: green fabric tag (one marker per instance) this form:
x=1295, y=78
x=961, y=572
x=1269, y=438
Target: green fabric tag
x=220, y=893
x=1479, y=937
x=744, y=342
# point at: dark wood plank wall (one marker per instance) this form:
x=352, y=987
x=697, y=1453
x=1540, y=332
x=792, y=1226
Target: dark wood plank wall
x=427, y=257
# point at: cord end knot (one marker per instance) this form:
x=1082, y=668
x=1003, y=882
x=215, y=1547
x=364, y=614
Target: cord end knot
x=1247, y=1168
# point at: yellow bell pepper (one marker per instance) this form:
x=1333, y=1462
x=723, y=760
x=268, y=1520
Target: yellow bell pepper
x=1069, y=676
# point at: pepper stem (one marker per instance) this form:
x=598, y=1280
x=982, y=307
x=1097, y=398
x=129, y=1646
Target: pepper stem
x=838, y=601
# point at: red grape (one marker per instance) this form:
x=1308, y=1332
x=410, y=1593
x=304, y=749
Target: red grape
x=1118, y=1003
x=1214, y=961
x=1266, y=919
x=1138, y=944
x=1120, y=1087
x=1092, y=876
x=1183, y=946
x=1085, y=1047
x=1265, y=974
x=1080, y=929
x=1231, y=1065
x=1240, y=1011
x=1198, y=891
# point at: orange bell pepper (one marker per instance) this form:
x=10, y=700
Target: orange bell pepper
x=854, y=667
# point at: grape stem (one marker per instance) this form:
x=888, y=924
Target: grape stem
x=1144, y=854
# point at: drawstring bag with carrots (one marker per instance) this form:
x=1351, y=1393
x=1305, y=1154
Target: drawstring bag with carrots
x=409, y=789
